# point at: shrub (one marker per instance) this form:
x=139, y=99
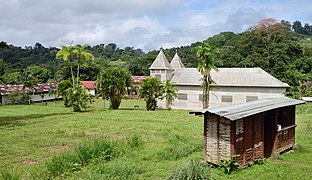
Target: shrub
x=193, y=169
x=230, y=164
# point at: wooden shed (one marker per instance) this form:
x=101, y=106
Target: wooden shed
x=254, y=130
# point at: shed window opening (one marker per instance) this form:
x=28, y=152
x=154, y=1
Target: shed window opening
x=284, y=119
x=227, y=99
x=182, y=96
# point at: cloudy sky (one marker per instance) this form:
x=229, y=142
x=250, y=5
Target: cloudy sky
x=145, y=24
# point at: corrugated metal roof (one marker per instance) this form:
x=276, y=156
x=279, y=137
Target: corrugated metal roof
x=238, y=111
x=161, y=62
x=247, y=77
x=88, y=84
x=138, y=79
x=177, y=62
x=39, y=88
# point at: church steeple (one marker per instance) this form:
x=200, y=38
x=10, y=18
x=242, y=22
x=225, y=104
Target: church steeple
x=176, y=62
x=161, y=68
x=161, y=62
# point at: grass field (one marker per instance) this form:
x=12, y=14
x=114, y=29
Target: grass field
x=147, y=145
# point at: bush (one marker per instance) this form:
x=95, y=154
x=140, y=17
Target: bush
x=193, y=169
x=230, y=164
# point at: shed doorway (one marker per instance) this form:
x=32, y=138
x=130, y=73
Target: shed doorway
x=269, y=132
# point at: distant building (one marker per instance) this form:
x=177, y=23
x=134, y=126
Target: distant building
x=35, y=94
x=90, y=86
x=232, y=85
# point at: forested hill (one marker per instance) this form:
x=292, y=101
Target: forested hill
x=282, y=49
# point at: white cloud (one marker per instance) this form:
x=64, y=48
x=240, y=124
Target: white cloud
x=139, y=23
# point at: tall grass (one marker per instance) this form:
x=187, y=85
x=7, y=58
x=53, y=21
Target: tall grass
x=103, y=149
x=9, y=174
x=193, y=169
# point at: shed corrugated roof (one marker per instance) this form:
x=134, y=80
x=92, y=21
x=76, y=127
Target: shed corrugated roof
x=177, y=62
x=238, y=111
x=161, y=62
x=248, y=77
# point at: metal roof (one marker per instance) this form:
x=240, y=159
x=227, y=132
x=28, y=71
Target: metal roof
x=177, y=62
x=161, y=62
x=238, y=111
x=39, y=88
x=243, y=77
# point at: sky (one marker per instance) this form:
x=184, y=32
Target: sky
x=144, y=24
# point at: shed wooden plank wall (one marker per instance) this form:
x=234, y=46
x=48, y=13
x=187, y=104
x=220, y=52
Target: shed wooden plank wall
x=249, y=139
x=218, y=139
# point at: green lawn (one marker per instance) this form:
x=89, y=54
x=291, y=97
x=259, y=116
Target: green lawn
x=30, y=135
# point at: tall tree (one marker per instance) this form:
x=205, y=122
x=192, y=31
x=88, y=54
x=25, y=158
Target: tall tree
x=81, y=55
x=150, y=90
x=206, y=62
x=169, y=93
x=68, y=55
x=113, y=84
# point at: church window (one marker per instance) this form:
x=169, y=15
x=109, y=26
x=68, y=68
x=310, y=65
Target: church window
x=251, y=98
x=182, y=96
x=226, y=98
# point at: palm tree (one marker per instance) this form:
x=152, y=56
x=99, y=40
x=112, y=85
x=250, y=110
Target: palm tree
x=169, y=92
x=206, y=62
x=82, y=55
x=67, y=54
x=71, y=53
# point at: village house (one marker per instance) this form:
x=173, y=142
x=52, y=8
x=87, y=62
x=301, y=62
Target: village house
x=137, y=80
x=253, y=130
x=38, y=94
x=231, y=85
x=90, y=86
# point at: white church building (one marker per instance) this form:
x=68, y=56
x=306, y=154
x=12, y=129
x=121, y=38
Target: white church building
x=232, y=85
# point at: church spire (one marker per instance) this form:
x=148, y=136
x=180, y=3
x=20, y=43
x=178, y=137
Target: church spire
x=176, y=62
x=161, y=62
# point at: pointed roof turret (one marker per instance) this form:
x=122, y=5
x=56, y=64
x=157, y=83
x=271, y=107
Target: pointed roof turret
x=161, y=62
x=176, y=62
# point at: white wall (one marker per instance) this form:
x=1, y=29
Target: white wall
x=165, y=74
x=92, y=92
x=238, y=93
x=35, y=98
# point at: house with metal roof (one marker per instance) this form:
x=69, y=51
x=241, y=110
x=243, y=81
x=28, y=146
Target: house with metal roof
x=253, y=130
x=39, y=93
x=231, y=85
